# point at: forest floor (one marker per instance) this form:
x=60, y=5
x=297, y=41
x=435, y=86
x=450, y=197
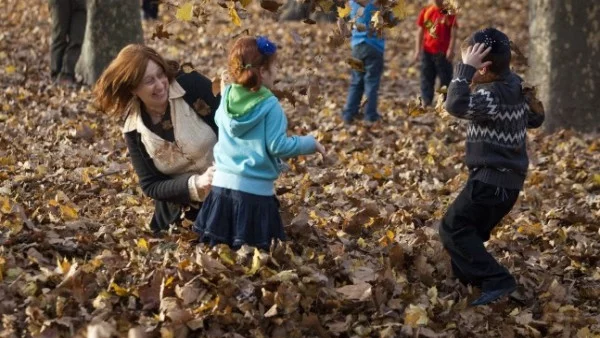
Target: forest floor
x=363, y=257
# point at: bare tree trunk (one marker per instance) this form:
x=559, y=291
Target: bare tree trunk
x=111, y=25
x=564, y=52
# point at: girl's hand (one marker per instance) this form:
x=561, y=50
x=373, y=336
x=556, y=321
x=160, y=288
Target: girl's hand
x=320, y=148
x=473, y=56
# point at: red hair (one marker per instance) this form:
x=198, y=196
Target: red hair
x=245, y=62
x=112, y=91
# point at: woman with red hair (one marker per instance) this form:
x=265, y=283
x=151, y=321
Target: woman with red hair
x=170, y=142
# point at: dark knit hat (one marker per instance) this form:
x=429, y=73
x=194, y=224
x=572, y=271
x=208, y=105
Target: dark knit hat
x=500, y=53
x=491, y=37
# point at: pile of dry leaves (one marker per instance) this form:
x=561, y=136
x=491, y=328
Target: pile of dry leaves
x=364, y=258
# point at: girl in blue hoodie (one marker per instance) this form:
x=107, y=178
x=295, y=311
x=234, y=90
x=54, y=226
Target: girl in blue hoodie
x=242, y=207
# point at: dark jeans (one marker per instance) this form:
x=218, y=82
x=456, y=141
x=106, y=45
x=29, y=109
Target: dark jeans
x=366, y=82
x=68, y=28
x=433, y=65
x=150, y=8
x=467, y=225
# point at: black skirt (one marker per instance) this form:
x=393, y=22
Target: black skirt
x=234, y=218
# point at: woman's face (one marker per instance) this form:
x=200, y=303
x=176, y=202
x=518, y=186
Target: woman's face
x=154, y=88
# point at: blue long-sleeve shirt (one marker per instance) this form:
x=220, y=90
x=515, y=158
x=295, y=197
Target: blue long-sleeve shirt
x=367, y=36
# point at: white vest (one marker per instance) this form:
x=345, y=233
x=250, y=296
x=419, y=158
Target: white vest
x=192, y=150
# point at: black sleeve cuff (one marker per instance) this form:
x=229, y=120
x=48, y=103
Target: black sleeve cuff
x=465, y=71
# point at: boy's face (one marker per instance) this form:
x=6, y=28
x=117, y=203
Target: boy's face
x=438, y=3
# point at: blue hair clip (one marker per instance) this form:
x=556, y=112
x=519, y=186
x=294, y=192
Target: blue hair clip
x=265, y=46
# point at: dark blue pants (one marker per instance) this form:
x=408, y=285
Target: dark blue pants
x=150, y=8
x=366, y=82
x=467, y=225
x=432, y=66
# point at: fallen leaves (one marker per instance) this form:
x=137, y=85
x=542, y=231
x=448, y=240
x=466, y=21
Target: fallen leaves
x=185, y=12
x=364, y=257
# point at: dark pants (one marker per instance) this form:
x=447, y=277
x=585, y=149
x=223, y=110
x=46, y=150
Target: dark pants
x=467, y=225
x=68, y=28
x=432, y=66
x=366, y=82
x=150, y=8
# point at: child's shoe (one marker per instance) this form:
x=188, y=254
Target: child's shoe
x=488, y=297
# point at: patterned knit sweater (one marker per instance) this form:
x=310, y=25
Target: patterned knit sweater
x=498, y=117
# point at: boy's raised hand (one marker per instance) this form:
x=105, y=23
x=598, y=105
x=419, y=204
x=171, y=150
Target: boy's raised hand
x=473, y=55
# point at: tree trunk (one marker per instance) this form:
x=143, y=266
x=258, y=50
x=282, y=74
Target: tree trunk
x=298, y=10
x=294, y=10
x=111, y=25
x=564, y=50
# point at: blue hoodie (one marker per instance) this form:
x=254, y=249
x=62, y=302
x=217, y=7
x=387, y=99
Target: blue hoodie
x=252, y=138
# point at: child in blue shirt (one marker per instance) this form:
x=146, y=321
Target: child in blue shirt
x=241, y=207
x=368, y=46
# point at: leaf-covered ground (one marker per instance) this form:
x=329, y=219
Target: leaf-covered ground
x=364, y=258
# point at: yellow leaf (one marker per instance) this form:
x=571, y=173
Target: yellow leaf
x=597, y=179
x=41, y=170
x=432, y=293
x=68, y=213
x=6, y=207
x=344, y=11
x=119, y=290
x=399, y=10
x=7, y=160
x=10, y=69
x=226, y=257
x=326, y=5
x=169, y=281
x=321, y=259
x=377, y=19
x=207, y=306
x=142, y=244
x=245, y=3
x=131, y=201
x=185, y=12
x=361, y=243
x=255, y=262
x=415, y=315
x=184, y=264
x=390, y=235
x=85, y=176
x=64, y=266
x=531, y=229
x=235, y=18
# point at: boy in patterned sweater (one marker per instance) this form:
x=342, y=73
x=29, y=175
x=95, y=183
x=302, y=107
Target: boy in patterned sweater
x=488, y=94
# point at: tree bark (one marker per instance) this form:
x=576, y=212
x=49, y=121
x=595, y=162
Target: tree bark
x=298, y=10
x=111, y=25
x=564, y=50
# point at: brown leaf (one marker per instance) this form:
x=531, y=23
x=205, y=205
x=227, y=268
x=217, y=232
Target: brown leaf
x=201, y=108
x=209, y=264
x=160, y=32
x=187, y=67
x=284, y=94
x=270, y=5
x=356, y=64
x=313, y=93
x=360, y=292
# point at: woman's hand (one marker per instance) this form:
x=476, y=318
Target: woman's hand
x=199, y=185
x=473, y=56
